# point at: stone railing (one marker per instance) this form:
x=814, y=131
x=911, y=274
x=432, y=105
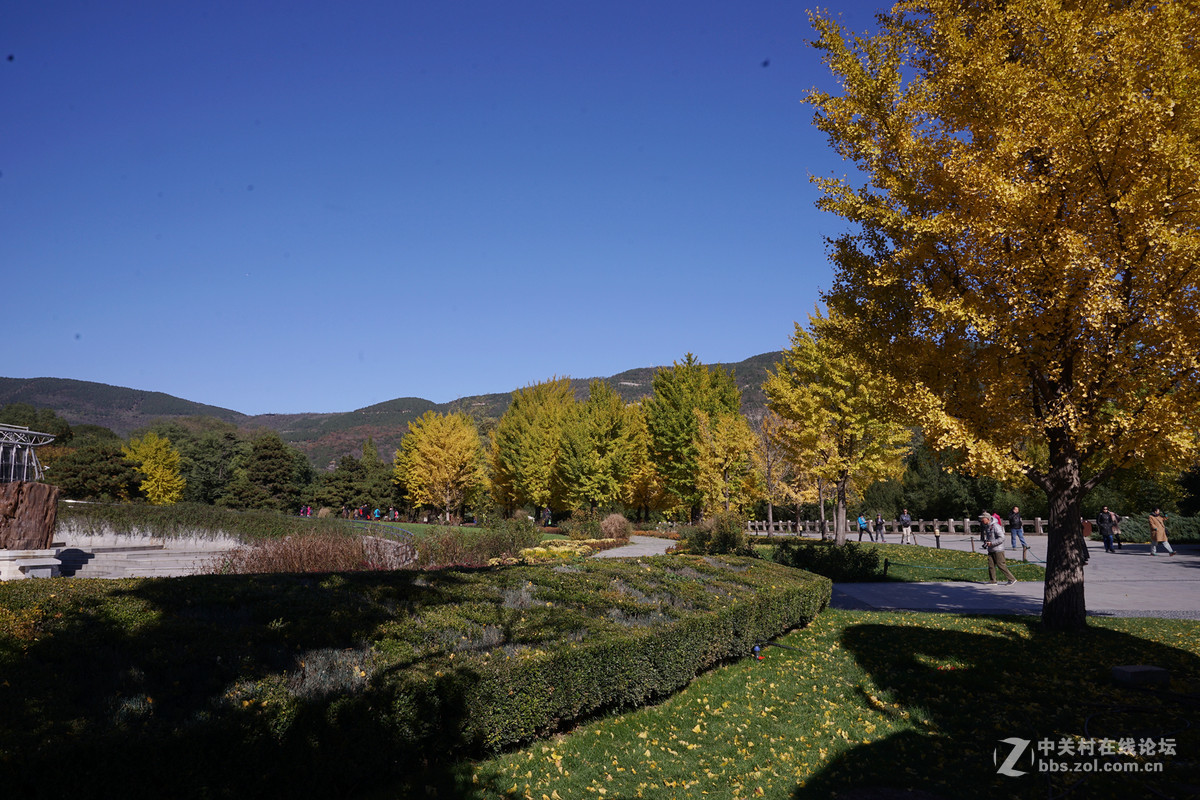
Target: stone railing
x=935, y=527
x=945, y=527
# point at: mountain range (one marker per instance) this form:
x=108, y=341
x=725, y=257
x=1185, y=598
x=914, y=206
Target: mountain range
x=327, y=436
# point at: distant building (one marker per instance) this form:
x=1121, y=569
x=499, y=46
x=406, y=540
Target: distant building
x=18, y=461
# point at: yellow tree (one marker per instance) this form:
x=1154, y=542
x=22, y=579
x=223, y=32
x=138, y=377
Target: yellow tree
x=158, y=461
x=526, y=444
x=596, y=450
x=725, y=464
x=841, y=433
x=644, y=487
x=1027, y=243
x=772, y=464
x=792, y=465
x=440, y=462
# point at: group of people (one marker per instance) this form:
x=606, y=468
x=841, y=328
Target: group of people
x=365, y=512
x=876, y=529
x=992, y=535
x=1109, y=525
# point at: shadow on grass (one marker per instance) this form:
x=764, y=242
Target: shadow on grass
x=968, y=690
x=222, y=686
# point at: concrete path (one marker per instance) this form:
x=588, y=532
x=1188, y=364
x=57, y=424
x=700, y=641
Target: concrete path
x=1128, y=583
x=639, y=546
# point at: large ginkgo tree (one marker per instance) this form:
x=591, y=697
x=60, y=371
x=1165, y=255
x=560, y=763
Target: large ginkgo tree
x=1025, y=245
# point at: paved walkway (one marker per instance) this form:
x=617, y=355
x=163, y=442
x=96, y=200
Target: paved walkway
x=1129, y=583
x=639, y=546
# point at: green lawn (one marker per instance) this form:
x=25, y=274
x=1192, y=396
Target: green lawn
x=914, y=563
x=420, y=530
x=899, y=700
x=919, y=563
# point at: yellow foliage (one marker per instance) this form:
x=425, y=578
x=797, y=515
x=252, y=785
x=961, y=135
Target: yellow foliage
x=440, y=460
x=159, y=463
x=1026, y=264
x=838, y=430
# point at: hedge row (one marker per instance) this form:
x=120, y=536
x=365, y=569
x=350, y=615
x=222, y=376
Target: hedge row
x=1180, y=530
x=355, y=683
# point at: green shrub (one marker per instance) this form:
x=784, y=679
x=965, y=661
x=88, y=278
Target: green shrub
x=1180, y=530
x=721, y=534
x=582, y=525
x=848, y=562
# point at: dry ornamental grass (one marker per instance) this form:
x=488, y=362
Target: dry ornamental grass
x=318, y=553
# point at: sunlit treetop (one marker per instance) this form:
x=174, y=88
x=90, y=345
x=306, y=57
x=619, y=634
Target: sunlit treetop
x=1027, y=244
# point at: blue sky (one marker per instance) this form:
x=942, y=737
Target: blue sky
x=316, y=206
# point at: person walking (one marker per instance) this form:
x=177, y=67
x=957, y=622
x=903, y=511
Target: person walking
x=862, y=526
x=879, y=526
x=1016, y=528
x=1158, y=532
x=993, y=542
x=906, y=533
x=1107, y=521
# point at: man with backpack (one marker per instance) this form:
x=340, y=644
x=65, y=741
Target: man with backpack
x=993, y=542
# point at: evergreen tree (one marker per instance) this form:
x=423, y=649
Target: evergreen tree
x=97, y=471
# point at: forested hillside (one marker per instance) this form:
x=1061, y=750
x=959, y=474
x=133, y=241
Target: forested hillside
x=322, y=436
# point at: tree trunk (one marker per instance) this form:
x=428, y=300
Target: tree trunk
x=839, y=514
x=1063, y=606
x=821, y=503
x=28, y=512
x=771, y=518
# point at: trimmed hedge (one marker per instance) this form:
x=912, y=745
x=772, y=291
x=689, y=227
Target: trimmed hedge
x=355, y=683
x=1135, y=530
x=850, y=562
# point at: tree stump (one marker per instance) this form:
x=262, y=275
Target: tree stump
x=28, y=511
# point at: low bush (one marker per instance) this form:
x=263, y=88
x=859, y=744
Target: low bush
x=721, y=534
x=359, y=683
x=615, y=526
x=581, y=525
x=561, y=550
x=848, y=562
x=445, y=547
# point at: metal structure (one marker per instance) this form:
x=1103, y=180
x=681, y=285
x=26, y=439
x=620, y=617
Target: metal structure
x=18, y=461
